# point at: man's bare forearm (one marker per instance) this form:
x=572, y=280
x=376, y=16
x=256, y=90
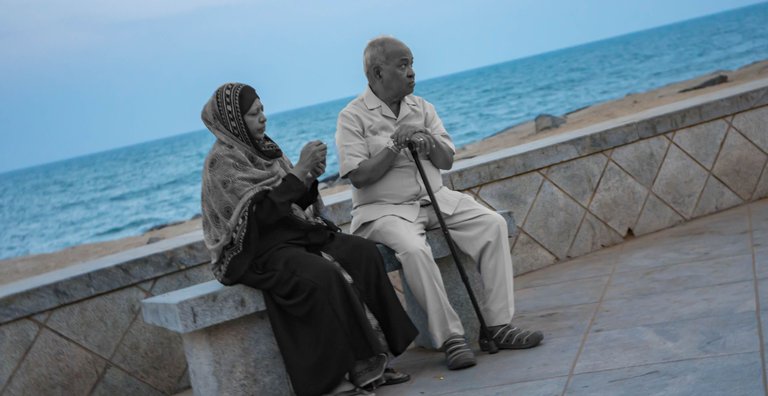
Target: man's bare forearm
x=373, y=169
x=441, y=155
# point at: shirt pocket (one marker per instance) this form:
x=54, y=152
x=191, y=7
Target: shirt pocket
x=376, y=143
x=377, y=134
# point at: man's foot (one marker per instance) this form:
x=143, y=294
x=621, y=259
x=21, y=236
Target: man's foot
x=457, y=353
x=511, y=337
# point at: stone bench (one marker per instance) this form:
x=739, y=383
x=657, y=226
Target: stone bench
x=228, y=340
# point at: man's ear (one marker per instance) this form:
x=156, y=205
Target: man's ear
x=377, y=72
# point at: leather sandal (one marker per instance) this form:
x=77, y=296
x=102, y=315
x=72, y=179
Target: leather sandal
x=394, y=377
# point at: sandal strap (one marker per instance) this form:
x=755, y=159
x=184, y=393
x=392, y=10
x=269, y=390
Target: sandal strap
x=509, y=334
x=457, y=350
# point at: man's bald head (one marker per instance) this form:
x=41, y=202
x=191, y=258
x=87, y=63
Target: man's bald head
x=375, y=53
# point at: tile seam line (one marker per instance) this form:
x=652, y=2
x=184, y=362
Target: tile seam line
x=490, y=387
x=585, y=337
x=755, y=284
x=17, y=367
x=695, y=358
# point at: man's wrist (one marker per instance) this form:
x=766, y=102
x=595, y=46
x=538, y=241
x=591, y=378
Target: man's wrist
x=393, y=147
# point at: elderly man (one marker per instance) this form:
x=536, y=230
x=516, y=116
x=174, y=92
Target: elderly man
x=391, y=204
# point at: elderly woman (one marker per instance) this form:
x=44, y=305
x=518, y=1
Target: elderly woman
x=332, y=308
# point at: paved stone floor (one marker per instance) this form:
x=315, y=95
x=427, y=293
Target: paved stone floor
x=677, y=312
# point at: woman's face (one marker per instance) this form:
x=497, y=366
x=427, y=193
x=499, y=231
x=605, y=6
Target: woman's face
x=255, y=120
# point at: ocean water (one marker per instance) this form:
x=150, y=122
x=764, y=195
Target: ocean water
x=126, y=191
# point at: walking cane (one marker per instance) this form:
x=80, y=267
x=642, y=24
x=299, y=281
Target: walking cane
x=489, y=343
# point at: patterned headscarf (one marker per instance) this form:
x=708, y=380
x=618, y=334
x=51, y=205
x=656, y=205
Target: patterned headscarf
x=236, y=168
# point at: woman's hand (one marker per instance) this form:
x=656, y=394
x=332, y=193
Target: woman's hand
x=311, y=162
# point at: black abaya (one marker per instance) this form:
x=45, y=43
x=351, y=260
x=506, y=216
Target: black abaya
x=317, y=316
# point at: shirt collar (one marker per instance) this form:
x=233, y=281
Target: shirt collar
x=373, y=102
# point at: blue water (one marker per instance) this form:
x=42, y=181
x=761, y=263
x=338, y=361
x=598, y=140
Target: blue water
x=126, y=191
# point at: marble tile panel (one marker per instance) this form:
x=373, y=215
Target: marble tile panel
x=152, y=354
x=246, y=343
x=758, y=211
x=515, y=194
x=182, y=279
x=673, y=250
x=55, y=366
x=754, y=125
x=593, y=235
x=588, y=266
x=547, y=387
x=478, y=171
x=681, y=276
x=732, y=375
x=611, y=136
x=569, y=321
x=669, y=341
x=42, y=317
x=15, y=339
x=184, y=381
x=579, y=177
x=528, y=255
x=118, y=382
x=102, y=275
x=576, y=292
x=642, y=159
x=761, y=191
x=715, y=197
x=762, y=293
x=680, y=181
x=761, y=263
x=702, y=142
x=618, y=199
x=98, y=323
x=739, y=164
x=146, y=286
x=554, y=220
x=688, y=304
x=723, y=107
x=656, y=215
x=551, y=359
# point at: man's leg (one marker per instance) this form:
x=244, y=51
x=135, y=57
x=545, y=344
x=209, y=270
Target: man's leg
x=482, y=234
x=408, y=240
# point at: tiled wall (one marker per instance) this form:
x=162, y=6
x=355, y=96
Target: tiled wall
x=575, y=207
x=97, y=346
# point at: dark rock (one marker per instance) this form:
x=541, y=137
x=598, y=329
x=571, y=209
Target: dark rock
x=161, y=226
x=197, y=216
x=548, y=121
x=719, y=79
x=154, y=239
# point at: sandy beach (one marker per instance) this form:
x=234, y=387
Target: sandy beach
x=21, y=267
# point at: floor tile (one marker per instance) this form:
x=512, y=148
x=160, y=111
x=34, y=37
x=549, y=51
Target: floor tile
x=687, y=304
x=588, y=266
x=565, y=321
x=680, y=276
x=669, y=341
x=553, y=358
x=548, y=387
x=582, y=291
x=683, y=250
x=733, y=375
